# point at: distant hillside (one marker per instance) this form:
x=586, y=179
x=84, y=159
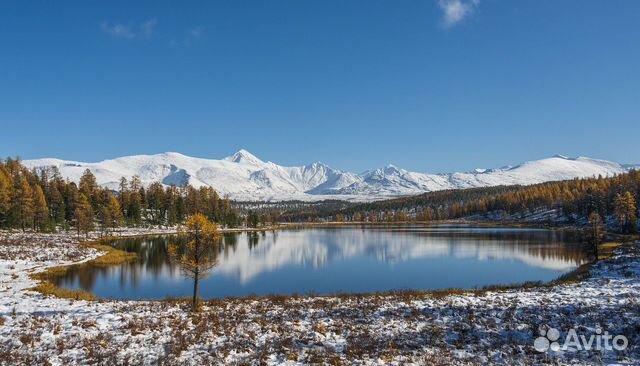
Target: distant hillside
x=613, y=198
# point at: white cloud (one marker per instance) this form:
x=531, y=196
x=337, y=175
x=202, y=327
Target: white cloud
x=143, y=30
x=454, y=11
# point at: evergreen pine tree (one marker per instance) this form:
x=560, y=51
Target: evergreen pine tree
x=56, y=204
x=88, y=184
x=134, y=209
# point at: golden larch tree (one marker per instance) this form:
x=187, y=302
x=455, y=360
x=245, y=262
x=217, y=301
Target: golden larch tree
x=625, y=211
x=196, y=256
x=40, y=209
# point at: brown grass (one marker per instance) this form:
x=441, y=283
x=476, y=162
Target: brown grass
x=49, y=289
x=112, y=256
x=605, y=250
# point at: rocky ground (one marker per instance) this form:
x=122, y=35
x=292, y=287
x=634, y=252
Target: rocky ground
x=493, y=327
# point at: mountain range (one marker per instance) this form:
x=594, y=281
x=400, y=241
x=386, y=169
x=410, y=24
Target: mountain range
x=245, y=177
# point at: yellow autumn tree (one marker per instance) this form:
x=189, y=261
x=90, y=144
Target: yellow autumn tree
x=195, y=256
x=110, y=214
x=23, y=203
x=40, y=209
x=83, y=216
x=5, y=195
x=625, y=211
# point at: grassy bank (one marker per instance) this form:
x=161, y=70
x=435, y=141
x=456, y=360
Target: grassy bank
x=110, y=256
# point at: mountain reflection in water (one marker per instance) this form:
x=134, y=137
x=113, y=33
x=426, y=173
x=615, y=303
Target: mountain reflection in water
x=341, y=259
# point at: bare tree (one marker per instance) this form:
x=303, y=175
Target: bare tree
x=596, y=228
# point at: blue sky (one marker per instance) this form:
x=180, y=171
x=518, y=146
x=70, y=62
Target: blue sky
x=430, y=86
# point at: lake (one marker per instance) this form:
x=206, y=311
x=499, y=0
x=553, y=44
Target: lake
x=340, y=259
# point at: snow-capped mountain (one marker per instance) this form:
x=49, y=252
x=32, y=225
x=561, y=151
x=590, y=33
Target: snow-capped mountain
x=243, y=176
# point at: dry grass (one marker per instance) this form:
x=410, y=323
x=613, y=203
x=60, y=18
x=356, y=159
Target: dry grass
x=49, y=289
x=51, y=272
x=112, y=256
x=605, y=250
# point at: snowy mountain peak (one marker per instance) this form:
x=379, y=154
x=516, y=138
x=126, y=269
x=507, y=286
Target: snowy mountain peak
x=246, y=178
x=392, y=169
x=242, y=156
x=169, y=155
x=562, y=157
x=317, y=165
x=383, y=173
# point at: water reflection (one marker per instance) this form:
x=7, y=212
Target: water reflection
x=347, y=259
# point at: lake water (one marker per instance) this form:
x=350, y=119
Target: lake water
x=345, y=259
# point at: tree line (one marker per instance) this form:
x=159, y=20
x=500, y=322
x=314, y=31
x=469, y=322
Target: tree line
x=43, y=201
x=614, y=199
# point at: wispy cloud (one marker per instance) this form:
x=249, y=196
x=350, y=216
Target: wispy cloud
x=454, y=11
x=189, y=37
x=142, y=30
x=147, y=28
x=195, y=32
x=117, y=30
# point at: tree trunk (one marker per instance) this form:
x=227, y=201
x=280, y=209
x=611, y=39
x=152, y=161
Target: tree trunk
x=196, y=274
x=194, y=302
x=596, y=237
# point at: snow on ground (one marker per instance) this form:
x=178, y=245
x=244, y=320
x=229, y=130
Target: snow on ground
x=496, y=327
